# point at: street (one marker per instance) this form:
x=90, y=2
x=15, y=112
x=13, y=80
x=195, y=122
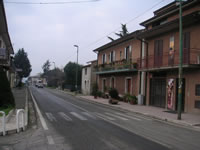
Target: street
x=90, y=126
x=70, y=123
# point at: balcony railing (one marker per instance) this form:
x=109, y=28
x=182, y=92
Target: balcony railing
x=122, y=65
x=190, y=57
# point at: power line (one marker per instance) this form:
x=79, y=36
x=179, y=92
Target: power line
x=125, y=23
x=50, y=3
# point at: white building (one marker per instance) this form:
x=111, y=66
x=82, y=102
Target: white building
x=88, y=77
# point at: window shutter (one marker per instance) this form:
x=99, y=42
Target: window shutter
x=125, y=53
x=110, y=57
x=113, y=55
x=130, y=51
x=102, y=59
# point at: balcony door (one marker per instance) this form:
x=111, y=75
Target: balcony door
x=186, y=48
x=158, y=53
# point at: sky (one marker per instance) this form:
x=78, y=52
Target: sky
x=49, y=32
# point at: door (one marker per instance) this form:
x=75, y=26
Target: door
x=158, y=92
x=128, y=86
x=186, y=48
x=158, y=53
x=183, y=96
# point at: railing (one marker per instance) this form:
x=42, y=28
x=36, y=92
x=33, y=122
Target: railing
x=20, y=111
x=117, y=65
x=169, y=60
x=3, y=122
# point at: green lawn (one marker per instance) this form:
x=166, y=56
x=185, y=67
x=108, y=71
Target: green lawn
x=6, y=110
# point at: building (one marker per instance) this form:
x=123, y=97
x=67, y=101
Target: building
x=6, y=49
x=117, y=64
x=160, y=58
x=88, y=77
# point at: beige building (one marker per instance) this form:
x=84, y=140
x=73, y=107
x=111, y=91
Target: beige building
x=6, y=49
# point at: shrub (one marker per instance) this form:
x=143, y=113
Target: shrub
x=99, y=93
x=95, y=89
x=113, y=93
x=6, y=96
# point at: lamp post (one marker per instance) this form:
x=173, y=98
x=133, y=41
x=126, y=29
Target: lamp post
x=54, y=64
x=76, y=67
x=180, y=60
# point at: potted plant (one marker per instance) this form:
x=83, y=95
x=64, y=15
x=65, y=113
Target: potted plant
x=133, y=100
x=113, y=96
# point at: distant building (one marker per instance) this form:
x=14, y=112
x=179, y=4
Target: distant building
x=88, y=77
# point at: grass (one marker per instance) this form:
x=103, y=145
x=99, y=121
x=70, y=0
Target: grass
x=6, y=110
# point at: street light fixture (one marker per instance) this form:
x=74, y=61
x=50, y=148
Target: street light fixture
x=76, y=67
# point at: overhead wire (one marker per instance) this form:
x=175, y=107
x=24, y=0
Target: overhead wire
x=50, y=3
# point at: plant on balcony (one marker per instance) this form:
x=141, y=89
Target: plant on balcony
x=135, y=65
x=113, y=96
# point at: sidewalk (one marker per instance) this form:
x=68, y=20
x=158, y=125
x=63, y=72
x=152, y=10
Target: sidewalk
x=154, y=112
x=21, y=103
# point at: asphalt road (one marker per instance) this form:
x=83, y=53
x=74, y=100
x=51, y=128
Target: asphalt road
x=86, y=126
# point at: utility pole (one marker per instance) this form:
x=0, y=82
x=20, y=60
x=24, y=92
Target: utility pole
x=180, y=85
x=76, y=68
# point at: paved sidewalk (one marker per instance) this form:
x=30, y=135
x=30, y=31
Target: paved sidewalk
x=154, y=112
x=21, y=103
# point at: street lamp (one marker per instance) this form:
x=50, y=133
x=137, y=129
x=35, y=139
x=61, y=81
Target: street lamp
x=180, y=60
x=76, y=67
x=54, y=64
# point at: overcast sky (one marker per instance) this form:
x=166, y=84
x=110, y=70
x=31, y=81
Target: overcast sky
x=50, y=31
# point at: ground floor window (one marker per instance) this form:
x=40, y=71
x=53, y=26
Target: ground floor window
x=104, y=85
x=112, y=82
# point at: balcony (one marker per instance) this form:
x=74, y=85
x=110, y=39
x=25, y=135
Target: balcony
x=168, y=61
x=4, y=61
x=116, y=67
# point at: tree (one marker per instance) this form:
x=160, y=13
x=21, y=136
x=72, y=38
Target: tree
x=46, y=66
x=70, y=74
x=55, y=77
x=21, y=61
x=124, y=31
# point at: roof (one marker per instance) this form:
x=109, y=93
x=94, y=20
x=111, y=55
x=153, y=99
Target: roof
x=167, y=10
x=86, y=66
x=4, y=28
x=190, y=19
x=130, y=36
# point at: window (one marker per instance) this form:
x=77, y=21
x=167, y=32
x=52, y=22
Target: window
x=120, y=55
x=112, y=82
x=127, y=52
x=171, y=43
x=104, y=88
x=112, y=56
x=103, y=58
x=197, y=90
x=85, y=71
x=0, y=43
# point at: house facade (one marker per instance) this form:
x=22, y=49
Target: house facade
x=159, y=60
x=117, y=65
x=88, y=77
x=6, y=49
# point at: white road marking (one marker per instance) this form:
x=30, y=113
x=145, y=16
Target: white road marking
x=119, y=117
x=104, y=116
x=43, y=122
x=67, y=118
x=89, y=115
x=78, y=116
x=50, y=140
x=127, y=116
x=51, y=117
